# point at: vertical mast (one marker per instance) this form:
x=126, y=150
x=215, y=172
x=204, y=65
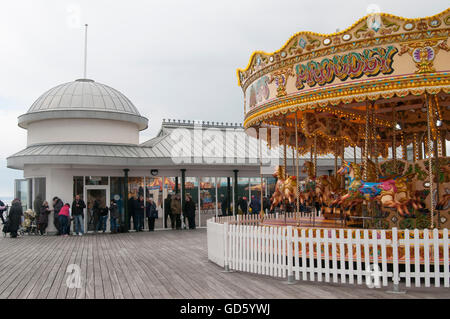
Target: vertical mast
x=85, y=50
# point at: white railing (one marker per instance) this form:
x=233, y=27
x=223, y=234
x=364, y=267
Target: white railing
x=331, y=255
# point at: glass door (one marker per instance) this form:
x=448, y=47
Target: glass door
x=96, y=196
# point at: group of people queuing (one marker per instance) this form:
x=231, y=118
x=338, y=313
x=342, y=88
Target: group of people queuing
x=253, y=206
x=64, y=214
x=174, y=211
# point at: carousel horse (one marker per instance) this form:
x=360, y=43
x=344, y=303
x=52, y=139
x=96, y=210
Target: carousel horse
x=285, y=188
x=393, y=193
x=308, y=195
x=327, y=188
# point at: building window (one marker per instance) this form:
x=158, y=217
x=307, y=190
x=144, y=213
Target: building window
x=39, y=193
x=21, y=192
x=78, y=187
x=96, y=180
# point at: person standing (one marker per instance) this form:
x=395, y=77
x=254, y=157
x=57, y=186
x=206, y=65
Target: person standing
x=131, y=212
x=103, y=219
x=96, y=215
x=64, y=217
x=43, y=217
x=243, y=205
x=15, y=217
x=78, y=207
x=175, y=206
x=2, y=210
x=152, y=213
x=223, y=204
x=140, y=213
x=168, y=211
x=57, y=205
x=255, y=205
x=115, y=216
x=189, y=210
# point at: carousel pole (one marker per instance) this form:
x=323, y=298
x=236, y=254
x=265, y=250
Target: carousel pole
x=354, y=154
x=285, y=161
x=374, y=136
x=436, y=154
x=315, y=172
x=261, y=213
x=394, y=140
x=366, y=148
x=415, y=148
x=430, y=154
x=297, y=166
x=366, y=142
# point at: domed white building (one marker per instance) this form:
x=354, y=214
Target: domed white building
x=83, y=138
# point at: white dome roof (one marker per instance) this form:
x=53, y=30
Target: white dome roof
x=83, y=98
x=83, y=94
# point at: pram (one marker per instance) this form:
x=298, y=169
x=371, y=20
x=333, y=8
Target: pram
x=29, y=224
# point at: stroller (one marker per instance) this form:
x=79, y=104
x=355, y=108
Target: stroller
x=29, y=224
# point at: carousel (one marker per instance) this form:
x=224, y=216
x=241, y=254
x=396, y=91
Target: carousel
x=380, y=87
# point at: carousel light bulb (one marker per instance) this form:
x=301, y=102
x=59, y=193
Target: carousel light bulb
x=398, y=127
x=438, y=123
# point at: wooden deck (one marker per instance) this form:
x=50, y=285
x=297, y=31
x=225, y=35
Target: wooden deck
x=162, y=264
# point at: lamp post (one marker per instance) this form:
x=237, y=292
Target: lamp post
x=125, y=200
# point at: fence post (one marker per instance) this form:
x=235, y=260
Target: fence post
x=290, y=266
x=225, y=248
x=395, y=271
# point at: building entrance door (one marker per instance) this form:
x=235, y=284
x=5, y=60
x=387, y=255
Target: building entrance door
x=97, y=199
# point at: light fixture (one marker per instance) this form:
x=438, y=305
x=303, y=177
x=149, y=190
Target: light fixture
x=398, y=126
x=438, y=123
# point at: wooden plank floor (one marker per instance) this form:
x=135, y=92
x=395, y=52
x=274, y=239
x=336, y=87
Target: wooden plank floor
x=162, y=264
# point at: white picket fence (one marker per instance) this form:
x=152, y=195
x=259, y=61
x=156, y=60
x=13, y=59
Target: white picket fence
x=331, y=255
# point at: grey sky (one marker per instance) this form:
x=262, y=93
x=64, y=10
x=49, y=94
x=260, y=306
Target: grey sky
x=173, y=59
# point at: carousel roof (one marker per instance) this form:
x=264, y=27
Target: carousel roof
x=384, y=68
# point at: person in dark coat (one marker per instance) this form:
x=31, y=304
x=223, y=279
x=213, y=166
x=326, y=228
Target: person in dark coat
x=168, y=211
x=57, y=205
x=151, y=213
x=131, y=212
x=115, y=216
x=139, y=213
x=96, y=214
x=78, y=207
x=189, y=211
x=43, y=217
x=2, y=210
x=223, y=204
x=15, y=217
x=243, y=205
x=255, y=205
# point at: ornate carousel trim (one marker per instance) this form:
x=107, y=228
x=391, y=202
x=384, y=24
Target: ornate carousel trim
x=366, y=91
x=354, y=37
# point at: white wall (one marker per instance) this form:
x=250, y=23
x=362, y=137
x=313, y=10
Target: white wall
x=82, y=130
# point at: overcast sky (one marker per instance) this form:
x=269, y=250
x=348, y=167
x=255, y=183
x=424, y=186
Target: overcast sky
x=173, y=59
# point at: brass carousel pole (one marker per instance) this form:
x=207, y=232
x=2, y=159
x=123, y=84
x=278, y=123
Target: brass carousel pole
x=315, y=173
x=297, y=167
x=366, y=142
x=285, y=163
x=261, y=213
x=415, y=148
x=430, y=154
x=374, y=136
x=366, y=148
x=394, y=140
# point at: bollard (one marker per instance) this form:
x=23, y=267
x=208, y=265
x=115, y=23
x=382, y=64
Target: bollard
x=396, y=290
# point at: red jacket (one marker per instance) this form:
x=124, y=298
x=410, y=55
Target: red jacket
x=65, y=210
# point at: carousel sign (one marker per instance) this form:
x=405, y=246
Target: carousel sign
x=353, y=65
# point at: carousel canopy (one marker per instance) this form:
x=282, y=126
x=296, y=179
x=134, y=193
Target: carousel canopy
x=384, y=68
